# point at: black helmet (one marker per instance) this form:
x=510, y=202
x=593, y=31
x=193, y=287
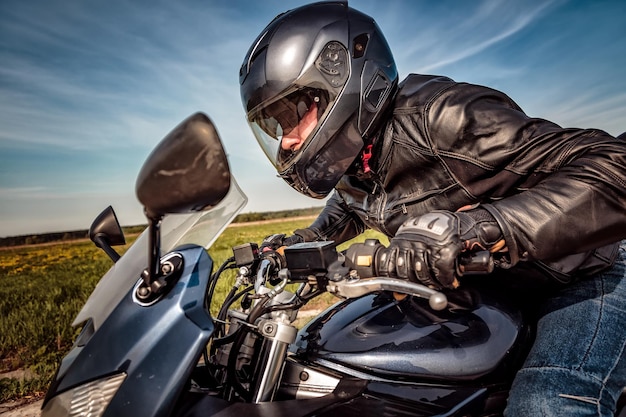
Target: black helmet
x=328, y=54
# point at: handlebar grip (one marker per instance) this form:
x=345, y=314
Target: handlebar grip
x=476, y=263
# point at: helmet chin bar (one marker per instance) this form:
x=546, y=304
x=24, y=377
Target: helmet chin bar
x=317, y=176
x=297, y=184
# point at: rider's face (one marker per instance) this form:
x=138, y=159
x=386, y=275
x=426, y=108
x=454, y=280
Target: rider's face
x=294, y=140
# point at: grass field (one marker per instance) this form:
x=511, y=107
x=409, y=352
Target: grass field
x=43, y=287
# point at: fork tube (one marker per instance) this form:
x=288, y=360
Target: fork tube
x=277, y=338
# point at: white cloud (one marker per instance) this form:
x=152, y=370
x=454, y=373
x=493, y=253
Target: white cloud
x=467, y=29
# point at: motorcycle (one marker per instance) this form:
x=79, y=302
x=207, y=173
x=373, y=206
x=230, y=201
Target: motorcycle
x=149, y=345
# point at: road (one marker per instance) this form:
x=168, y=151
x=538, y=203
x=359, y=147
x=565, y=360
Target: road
x=21, y=408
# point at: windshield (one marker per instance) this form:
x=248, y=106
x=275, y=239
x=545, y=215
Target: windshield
x=199, y=228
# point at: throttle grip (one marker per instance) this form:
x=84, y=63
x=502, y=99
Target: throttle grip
x=363, y=257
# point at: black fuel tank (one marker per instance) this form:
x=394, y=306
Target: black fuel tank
x=377, y=334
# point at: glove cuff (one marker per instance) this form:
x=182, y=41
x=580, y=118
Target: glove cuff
x=481, y=227
x=511, y=243
x=308, y=235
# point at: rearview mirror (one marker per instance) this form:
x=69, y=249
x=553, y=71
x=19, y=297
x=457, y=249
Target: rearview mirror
x=187, y=171
x=106, y=232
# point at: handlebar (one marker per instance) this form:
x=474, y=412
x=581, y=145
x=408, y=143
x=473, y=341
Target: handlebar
x=355, y=272
x=345, y=275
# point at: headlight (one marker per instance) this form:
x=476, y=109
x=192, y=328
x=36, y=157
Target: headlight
x=87, y=400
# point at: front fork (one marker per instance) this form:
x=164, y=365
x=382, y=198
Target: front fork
x=275, y=332
x=278, y=334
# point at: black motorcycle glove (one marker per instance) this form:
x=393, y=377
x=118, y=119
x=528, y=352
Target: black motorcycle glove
x=276, y=241
x=426, y=249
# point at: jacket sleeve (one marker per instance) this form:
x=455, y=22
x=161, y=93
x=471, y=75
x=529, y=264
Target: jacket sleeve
x=580, y=207
x=336, y=222
x=554, y=191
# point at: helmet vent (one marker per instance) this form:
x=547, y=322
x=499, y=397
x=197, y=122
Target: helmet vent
x=377, y=92
x=360, y=44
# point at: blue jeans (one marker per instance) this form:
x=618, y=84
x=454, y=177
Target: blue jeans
x=577, y=366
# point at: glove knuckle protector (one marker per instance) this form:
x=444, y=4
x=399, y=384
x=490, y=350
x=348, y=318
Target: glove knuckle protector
x=431, y=245
x=273, y=242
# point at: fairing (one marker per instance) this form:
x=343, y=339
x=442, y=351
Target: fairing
x=156, y=345
x=198, y=228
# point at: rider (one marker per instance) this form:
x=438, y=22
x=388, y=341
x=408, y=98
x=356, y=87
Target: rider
x=443, y=168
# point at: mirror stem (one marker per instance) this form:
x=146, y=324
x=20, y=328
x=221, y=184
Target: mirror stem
x=153, y=272
x=103, y=243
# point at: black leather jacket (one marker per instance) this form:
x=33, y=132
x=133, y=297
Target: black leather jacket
x=558, y=194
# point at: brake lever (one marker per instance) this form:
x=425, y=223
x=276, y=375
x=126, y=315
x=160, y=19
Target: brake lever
x=358, y=287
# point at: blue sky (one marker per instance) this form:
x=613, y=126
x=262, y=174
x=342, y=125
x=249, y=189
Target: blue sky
x=87, y=88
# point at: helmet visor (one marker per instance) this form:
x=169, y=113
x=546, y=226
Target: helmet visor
x=280, y=117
